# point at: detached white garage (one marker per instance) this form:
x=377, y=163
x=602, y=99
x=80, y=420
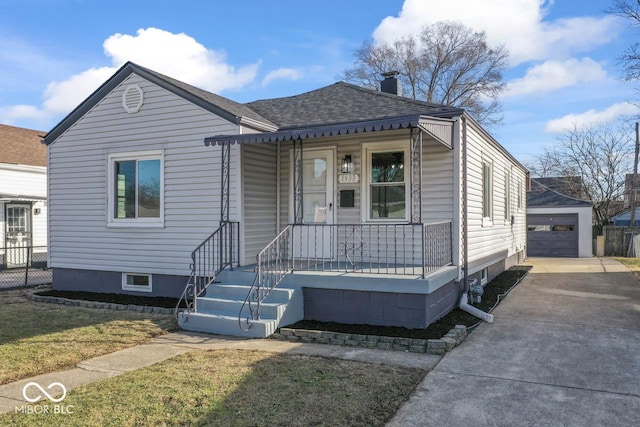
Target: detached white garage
x=557, y=225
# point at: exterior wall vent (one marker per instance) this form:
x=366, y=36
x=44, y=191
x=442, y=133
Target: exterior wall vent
x=132, y=99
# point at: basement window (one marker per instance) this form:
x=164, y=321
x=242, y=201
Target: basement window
x=136, y=282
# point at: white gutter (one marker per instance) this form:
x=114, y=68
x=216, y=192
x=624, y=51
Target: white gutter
x=464, y=306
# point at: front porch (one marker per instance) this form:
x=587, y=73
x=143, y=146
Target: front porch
x=370, y=226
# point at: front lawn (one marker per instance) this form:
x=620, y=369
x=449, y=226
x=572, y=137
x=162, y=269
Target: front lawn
x=37, y=338
x=244, y=388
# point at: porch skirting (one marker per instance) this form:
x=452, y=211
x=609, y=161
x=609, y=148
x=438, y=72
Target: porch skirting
x=110, y=282
x=412, y=311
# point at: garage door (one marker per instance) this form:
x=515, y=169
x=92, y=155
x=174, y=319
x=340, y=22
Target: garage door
x=552, y=235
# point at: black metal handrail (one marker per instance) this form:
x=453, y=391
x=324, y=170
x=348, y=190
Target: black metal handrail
x=217, y=252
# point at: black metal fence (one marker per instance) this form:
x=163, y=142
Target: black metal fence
x=23, y=266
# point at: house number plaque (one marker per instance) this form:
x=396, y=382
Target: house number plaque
x=348, y=178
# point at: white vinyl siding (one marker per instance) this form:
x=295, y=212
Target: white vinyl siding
x=258, y=198
x=78, y=174
x=490, y=244
x=26, y=181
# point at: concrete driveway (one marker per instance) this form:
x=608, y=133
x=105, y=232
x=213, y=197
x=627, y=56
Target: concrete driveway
x=564, y=349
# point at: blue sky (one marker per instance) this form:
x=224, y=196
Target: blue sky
x=53, y=53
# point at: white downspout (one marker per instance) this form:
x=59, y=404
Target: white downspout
x=464, y=306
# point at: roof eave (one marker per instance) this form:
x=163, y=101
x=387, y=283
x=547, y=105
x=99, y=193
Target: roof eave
x=118, y=77
x=336, y=129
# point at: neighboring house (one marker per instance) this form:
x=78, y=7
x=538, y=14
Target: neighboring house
x=623, y=219
x=340, y=204
x=23, y=191
x=557, y=225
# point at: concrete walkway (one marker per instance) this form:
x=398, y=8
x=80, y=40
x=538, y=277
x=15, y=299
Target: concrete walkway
x=173, y=344
x=564, y=349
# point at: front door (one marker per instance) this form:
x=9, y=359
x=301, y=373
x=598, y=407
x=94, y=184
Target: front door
x=18, y=234
x=315, y=239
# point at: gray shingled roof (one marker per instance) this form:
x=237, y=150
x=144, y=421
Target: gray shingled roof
x=343, y=103
x=542, y=196
x=235, y=108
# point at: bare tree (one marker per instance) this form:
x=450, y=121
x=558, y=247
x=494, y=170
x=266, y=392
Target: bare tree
x=601, y=157
x=447, y=63
x=630, y=59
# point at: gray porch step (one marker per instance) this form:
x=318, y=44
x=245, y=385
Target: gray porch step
x=227, y=325
x=231, y=307
x=239, y=292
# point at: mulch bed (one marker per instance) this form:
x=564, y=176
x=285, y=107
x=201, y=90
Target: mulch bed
x=165, y=302
x=497, y=287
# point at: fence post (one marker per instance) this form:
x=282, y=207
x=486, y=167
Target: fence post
x=26, y=271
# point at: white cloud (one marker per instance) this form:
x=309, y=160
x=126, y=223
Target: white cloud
x=15, y=113
x=62, y=97
x=552, y=75
x=282, y=73
x=179, y=56
x=591, y=117
x=518, y=24
x=176, y=55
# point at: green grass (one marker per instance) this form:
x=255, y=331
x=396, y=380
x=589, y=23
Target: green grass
x=632, y=264
x=243, y=388
x=37, y=338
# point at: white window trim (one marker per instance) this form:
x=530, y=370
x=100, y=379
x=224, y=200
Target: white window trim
x=519, y=200
x=138, y=288
x=507, y=196
x=133, y=222
x=484, y=275
x=487, y=220
x=365, y=206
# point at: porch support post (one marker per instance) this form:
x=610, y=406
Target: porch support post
x=298, y=205
x=416, y=175
x=225, y=182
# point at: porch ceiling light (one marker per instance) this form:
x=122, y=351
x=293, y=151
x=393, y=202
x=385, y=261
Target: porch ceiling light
x=347, y=164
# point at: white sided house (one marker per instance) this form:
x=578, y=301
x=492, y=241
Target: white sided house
x=341, y=204
x=23, y=193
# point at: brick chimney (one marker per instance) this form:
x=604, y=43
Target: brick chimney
x=391, y=84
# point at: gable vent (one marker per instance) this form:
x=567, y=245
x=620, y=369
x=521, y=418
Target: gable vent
x=132, y=99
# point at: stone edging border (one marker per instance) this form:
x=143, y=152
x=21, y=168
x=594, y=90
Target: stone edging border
x=98, y=304
x=440, y=346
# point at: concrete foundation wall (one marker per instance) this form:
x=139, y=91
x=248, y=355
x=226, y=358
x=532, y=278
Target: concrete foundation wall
x=110, y=282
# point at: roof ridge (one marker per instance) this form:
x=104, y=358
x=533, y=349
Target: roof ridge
x=392, y=96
